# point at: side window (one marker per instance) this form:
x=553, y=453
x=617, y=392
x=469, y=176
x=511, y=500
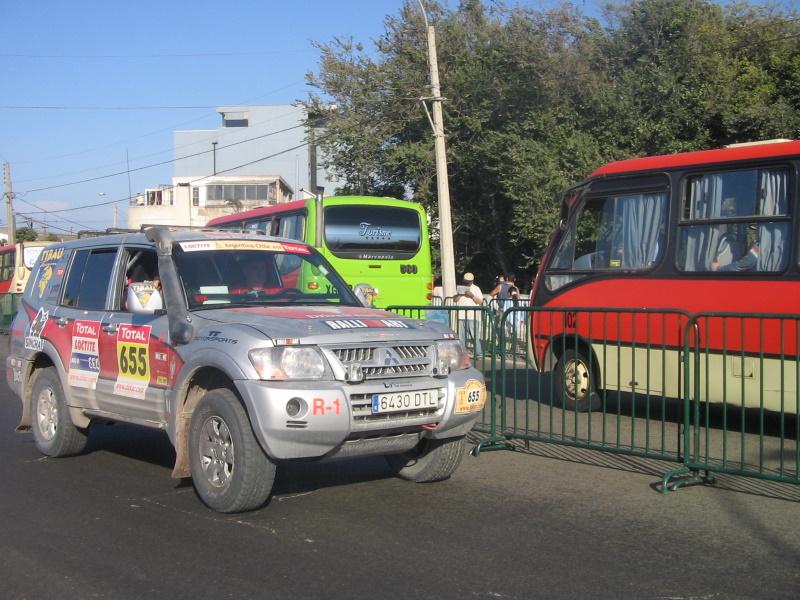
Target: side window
x=141, y=267
x=624, y=232
x=292, y=227
x=7, y=260
x=735, y=221
x=49, y=275
x=89, y=279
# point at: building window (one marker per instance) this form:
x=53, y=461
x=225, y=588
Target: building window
x=237, y=192
x=235, y=119
x=195, y=196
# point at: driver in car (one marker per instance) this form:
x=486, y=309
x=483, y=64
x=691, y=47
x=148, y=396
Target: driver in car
x=257, y=277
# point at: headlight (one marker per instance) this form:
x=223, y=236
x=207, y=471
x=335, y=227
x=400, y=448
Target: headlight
x=288, y=362
x=452, y=355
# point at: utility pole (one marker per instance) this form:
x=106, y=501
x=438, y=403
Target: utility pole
x=9, y=194
x=443, y=188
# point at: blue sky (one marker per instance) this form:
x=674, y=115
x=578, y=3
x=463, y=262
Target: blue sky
x=168, y=53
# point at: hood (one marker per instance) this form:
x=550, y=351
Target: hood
x=318, y=324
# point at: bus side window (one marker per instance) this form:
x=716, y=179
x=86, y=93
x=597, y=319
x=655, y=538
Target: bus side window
x=292, y=227
x=715, y=233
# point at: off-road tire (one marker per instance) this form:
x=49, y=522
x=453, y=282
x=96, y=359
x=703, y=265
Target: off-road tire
x=229, y=469
x=432, y=460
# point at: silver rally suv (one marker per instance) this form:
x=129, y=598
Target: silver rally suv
x=247, y=350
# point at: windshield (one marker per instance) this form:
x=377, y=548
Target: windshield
x=372, y=232
x=240, y=272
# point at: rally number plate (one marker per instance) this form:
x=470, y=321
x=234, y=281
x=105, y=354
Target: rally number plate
x=404, y=401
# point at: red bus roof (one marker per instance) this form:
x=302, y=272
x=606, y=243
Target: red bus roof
x=7, y=247
x=687, y=159
x=259, y=212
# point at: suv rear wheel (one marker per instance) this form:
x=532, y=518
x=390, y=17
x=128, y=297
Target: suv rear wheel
x=431, y=460
x=230, y=471
x=53, y=430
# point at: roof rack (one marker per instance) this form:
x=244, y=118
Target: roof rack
x=146, y=226
x=86, y=233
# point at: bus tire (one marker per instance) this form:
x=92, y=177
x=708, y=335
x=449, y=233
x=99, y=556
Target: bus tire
x=230, y=471
x=53, y=431
x=431, y=460
x=575, y=383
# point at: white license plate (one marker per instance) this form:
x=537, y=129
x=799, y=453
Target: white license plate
x=404, y=401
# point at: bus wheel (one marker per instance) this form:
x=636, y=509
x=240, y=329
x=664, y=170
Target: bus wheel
x=574, y=382
x=230, y=471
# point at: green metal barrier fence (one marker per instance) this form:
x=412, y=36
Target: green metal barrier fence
x=742, y=399
x=714, y=392
x=594, y=378
x=9, y=303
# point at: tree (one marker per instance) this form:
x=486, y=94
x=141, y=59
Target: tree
x=26, y=234
x=535, y=100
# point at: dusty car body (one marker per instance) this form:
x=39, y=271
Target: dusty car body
x=159, y=329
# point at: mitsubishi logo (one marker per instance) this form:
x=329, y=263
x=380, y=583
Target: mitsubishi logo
x=390, y=357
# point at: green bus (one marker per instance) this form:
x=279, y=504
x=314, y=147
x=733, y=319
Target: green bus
x=379, y=241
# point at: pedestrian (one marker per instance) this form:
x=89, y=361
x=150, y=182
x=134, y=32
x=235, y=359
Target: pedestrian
x=469, y=321
x=507, y=294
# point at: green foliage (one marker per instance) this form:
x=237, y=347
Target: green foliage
x=26, y=234
x=535, y=100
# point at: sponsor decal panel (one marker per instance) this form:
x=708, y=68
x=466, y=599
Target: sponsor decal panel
x=366, y=323
x=33, y=339
x=84, y=361
x=133, y=360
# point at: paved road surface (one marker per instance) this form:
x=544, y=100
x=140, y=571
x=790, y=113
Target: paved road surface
x=550, y=522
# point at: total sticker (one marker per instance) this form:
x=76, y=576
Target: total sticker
x=471, y=397
x=133, y=360
x=84, y=362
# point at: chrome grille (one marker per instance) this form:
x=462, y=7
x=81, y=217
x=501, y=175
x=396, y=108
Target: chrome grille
x=351, y=355
x=381, y=361
x=361, y=406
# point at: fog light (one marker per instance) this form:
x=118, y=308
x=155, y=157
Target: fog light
x=295, y=407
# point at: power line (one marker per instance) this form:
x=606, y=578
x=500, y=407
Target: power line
x=158, y=164
x=216, y=136
x=247, y=164
x=53, y=107
x=144, y=135
x=158, y=55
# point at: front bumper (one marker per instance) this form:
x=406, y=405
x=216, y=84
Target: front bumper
x=337, y=420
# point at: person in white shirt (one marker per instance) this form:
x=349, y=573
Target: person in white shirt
x=469, y=321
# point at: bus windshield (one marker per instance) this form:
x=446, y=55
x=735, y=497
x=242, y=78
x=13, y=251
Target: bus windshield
x=372, y=232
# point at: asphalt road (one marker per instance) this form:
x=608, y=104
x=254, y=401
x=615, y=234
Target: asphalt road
x=547, y=522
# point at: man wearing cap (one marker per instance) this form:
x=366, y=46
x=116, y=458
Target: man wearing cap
x=469, y=321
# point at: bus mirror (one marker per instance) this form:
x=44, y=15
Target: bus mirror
x=365, y=294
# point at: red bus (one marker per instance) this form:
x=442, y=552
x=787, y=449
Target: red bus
x=16, y=261
x=686, y=234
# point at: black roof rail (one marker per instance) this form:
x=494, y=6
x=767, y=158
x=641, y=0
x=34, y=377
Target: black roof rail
x=87, y=233
x=146, y=226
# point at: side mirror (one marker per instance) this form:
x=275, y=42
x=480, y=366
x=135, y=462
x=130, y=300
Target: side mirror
x=365, y=294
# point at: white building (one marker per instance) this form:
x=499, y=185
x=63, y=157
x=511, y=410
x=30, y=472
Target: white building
x=245, y=163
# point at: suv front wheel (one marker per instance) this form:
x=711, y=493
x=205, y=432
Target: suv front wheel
x=432, y=460
x=230, y=471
